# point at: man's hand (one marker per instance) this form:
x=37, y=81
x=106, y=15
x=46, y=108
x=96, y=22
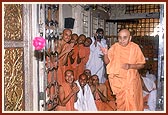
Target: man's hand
x=104, y=50
x=125, y=66
x=75, y=89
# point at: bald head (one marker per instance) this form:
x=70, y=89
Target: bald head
x=67, y=35
x=126, y=31
x=67, y=30
x=124, y=37
x=83, y=80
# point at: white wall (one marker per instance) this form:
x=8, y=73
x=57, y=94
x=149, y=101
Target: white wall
x=77, y=13
x=65, y=11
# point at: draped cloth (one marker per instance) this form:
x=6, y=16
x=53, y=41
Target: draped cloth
x=152, y=100
x=62, y=67
x=150, y=85
x=111, y=98
x=151, y=76
x=102, y=106
x=82, y=52
x=70, y=104
x=126, y=84
x=149, y=97
x=95, y=62
x=85, y=102
x=75, y=57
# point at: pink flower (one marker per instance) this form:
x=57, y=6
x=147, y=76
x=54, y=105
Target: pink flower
x=39, y=43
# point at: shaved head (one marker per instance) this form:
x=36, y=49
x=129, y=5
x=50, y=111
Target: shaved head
x=67, y=35
x=125, y=31
x=124, y=37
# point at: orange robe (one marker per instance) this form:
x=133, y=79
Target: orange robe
x=61, y=64
x=102, y=106
x=110, y=96
x=80, y=52
x=75, y=65
x=84, y=53
x=126, y=84
x=145, y=101
x=70, y=105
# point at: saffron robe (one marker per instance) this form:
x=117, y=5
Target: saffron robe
x=70, y=104
x=66, y=48
x=111, y=98
x=102, y=106
x=126, y=84
x=75, y=57
x=83, y=53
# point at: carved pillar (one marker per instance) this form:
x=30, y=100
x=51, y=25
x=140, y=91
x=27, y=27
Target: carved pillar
x=17, y=55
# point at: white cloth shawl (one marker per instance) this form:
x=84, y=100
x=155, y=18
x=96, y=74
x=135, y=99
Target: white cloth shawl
x=85, y=102
x=150, y=85
x=95, y=62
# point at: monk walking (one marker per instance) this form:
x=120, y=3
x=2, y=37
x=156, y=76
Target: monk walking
x=124, y=58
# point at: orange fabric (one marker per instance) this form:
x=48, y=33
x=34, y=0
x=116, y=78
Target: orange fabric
x=69, y=66
x=75, y=65
x=60, y=73
x=145, y=101
x=110, y=96
x=83, y=53
x=126, y=84
x=102, y=106
x=113, y=105
x=109, y=91
x=70, y=105
x=60, y=108
x=61, y=62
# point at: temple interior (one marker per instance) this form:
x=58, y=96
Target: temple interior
x=25, y=70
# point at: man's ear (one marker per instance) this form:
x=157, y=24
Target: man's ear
x=130, y=38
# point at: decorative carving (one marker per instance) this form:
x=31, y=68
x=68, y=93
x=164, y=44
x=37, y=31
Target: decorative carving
x=13, y=22
x=13, y=72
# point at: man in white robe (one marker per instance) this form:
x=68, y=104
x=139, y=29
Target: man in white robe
x=85, y=100
x=151, y=76
x=151, y=87
x=95, y=62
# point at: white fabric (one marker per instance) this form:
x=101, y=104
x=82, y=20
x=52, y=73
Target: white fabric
x=95, y=62
x=151, y=86
x=152, y=101
x=85, y=102
x=151, y=77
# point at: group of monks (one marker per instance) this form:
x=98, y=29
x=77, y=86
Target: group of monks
x=73, y=53
x=80, y=91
